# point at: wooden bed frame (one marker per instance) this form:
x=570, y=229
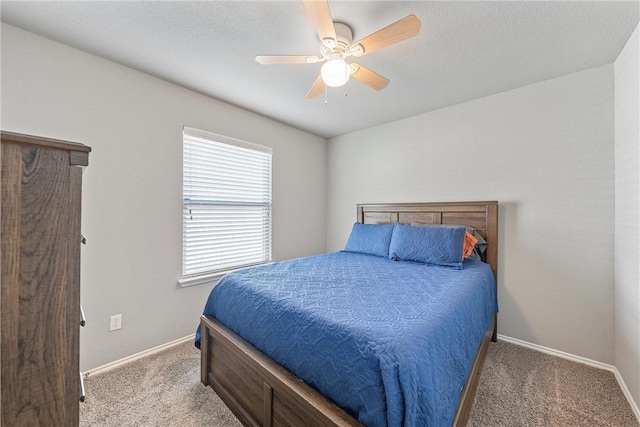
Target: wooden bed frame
x=262, y=393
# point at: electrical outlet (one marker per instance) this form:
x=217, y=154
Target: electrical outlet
x=116, y=322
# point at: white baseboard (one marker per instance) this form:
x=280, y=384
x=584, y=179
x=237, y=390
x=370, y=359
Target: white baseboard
x=128, y=359
x=582, y=360
x=627, y=394
x=558, y=353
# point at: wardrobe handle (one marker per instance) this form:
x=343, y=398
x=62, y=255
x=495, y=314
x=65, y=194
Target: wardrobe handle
x=83, y=321
x=83, y=239
x=83, y=396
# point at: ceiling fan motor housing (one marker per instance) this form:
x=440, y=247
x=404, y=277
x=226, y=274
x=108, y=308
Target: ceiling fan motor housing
x=342, y=44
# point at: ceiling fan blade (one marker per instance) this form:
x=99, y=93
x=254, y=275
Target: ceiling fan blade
x=316, y=89
x=286, y=59
x=368, y=77
x=407, y=27
x=320, y=15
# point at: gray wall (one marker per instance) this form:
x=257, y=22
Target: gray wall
x=545, y=152
x=627, y=216
x=132, y=196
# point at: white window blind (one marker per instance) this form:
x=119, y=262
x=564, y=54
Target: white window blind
x=226, y=203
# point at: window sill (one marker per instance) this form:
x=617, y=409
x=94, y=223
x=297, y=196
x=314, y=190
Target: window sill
x=200, y=279
x=210, y=278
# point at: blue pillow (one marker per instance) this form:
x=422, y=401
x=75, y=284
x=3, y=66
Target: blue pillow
x=478, y=250
x=429, y=245
x=372, y=239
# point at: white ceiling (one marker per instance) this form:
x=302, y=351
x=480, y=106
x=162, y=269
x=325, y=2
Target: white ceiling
x=466, y=50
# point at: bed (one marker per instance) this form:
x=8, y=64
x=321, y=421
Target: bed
x=262, y=392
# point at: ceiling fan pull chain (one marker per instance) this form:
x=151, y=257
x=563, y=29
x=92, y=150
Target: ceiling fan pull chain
x=326, y=91
x=348, y=71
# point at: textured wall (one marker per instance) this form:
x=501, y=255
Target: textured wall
x=627, y=217
x=132, y=207
x=545, y=152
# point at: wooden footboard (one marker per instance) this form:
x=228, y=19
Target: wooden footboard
x=262, y=393
x=259, y=391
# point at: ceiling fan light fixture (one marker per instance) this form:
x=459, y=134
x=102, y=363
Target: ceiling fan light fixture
x=335, y=72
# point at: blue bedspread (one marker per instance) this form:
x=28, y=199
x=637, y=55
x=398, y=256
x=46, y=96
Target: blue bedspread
x=391, y=342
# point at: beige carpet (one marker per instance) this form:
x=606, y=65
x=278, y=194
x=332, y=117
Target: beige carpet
x=522, y=387
x=518, y=387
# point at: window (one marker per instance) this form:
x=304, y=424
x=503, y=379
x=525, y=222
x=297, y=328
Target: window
x=226, y=205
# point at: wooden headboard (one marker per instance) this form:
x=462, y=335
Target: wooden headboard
x=483, y=216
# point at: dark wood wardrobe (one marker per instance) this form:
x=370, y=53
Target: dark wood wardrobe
x=40, y=263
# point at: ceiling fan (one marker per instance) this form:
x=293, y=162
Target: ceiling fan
x=337, y=46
